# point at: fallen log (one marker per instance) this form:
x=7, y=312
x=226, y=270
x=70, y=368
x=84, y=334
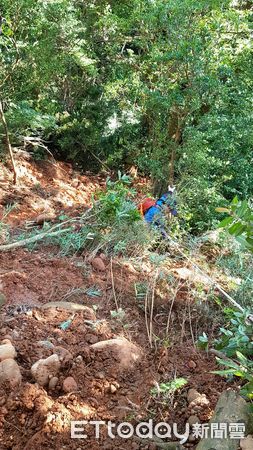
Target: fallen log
x=51, y=232
x=33, y=239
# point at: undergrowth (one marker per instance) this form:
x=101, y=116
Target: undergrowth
x=235, y=338
x=114, y=225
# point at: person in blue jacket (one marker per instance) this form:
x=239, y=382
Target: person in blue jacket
x=156, y=215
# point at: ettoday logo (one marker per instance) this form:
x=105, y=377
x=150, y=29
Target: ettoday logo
x=161, y=430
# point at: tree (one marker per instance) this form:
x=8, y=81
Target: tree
x=162, y=85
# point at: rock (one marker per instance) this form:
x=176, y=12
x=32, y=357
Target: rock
x=102, y=256
x=98, y=264
x=193, y=419
x=10, y=373
x=192, y=364
x=113, y=389
x=91, y=338
x=129, y=267
x=247, y=443
x=44, y=369
x=53, y=383
x=79, y=359
x=22, y=419
x=7, y=337
x=123, y=351
x=192, y=395
x=231, y=408
x=101, y=375
x=7, y=350
x=199, y=403
x=212, y=236
x=4, y=411
x=69, y=385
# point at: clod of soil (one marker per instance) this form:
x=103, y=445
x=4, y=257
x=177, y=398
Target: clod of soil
x=98, y=264
x=69, y=385
x=192, y=395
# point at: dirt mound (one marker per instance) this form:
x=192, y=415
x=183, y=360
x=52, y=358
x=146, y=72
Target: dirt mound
x=38, y=277
x=83, y=324
x=33, y=416
x=44, y=187
x=89, y=384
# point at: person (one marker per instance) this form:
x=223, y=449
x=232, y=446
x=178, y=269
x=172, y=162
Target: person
x=156, y=213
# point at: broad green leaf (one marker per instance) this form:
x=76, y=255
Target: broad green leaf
x=235, y=201
x=242, y=358
x=225, y=222
x=236, y=229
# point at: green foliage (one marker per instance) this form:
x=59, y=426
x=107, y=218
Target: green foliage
x=94, y=291
x=243, y=369
x=24, y=120
x=238, y=266
x=203, y=341
x=141, y=292
x=166, y=86
x=72, y=242
x=119, y=315
x=198, y=200
x=235, y=341
x=121, y=227
x=116, y=205
x=165, y=390
x=4, y=227
x=239, y=223
x=237, y=335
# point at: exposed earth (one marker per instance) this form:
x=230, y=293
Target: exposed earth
x=113, y=382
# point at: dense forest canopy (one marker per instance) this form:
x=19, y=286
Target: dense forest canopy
x=162, y=85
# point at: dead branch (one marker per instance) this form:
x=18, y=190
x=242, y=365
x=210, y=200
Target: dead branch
x=51, y=232
x=37, y=142
x=211, y=281
x=31, y=240
x=113, y=288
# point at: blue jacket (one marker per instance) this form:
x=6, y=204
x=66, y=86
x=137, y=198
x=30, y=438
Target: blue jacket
x=156, y=214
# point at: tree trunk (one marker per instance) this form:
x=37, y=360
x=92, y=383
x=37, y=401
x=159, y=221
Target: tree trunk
x=8, y=144
x=174, y=131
